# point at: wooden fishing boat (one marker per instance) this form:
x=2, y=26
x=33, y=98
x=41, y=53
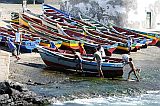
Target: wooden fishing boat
x=78, y=33
x=51, y=11
x=65, y=37
x=58, y=14
x=99, y=39
x=111, y=46
x=28, y=46
x=147, y=34
x=31, y=35
x=139, y=41
x=24, y=19
x=69, y=42
x=129, y=32
x=59, y=60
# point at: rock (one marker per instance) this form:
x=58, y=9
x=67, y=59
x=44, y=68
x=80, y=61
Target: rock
x=13, y=93
x=5, y=88
x=17, y=87
x=29, y=80
x=37, y=83
x=4, y=97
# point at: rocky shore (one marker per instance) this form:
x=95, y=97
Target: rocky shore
x=16, y=94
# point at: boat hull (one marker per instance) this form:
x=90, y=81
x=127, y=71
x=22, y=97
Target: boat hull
x=59, y=61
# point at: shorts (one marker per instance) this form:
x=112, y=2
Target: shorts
x=79, y=61
x=14, y=52
x=99, y=66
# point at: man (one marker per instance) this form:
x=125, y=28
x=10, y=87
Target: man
x=98, y=58
x=81, y=49
x=18, y=40
x=13, y=48
x=125, y=58
x=79, y=59
x=101, y=49
x=133, y=69
x=129, y=44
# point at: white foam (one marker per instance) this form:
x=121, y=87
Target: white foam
x=153, y=92
x=152, y=98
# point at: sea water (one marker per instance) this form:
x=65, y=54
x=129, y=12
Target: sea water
x=80, y=91
x=70, y=90
x=152, y=98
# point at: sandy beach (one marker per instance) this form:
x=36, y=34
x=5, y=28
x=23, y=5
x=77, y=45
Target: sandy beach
x=6, y=12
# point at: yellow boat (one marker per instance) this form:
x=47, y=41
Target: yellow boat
x=25, y=18
x=71, y=44
x=45, y=44
x=57, y=43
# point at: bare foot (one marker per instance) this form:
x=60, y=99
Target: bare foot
x=18, y=58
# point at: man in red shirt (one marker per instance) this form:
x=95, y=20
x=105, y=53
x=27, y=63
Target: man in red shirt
x=81, y=49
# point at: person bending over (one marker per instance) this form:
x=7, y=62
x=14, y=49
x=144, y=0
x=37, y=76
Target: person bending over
x=133, y=69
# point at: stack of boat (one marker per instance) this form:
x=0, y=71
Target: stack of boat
x=60, y=33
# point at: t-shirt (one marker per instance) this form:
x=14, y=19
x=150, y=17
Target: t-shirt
x=125, y=58
x=78, y=55
x=129, y=42
x=98, y=56
x=102, y=52
x=18, y=37
x=82, y=50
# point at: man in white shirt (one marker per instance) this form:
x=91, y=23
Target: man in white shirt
x=98, y=58
x=101, y=50
x=125, y=58
x=18, y=40
x=129, y=44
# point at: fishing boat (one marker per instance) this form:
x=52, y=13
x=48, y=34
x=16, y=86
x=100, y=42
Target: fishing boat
x=147, y=34
x=130, y=32
x=68, y=38
x=77, y=32
x=139, y=40
x=25, y=18
x=63, y=61
x=51, y=11
x=69, y=42
x=31, y=35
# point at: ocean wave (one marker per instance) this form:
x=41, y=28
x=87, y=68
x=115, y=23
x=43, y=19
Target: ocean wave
x=152, y=98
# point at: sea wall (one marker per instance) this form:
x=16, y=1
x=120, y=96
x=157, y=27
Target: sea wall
x=128, y=13
x=4, y=65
